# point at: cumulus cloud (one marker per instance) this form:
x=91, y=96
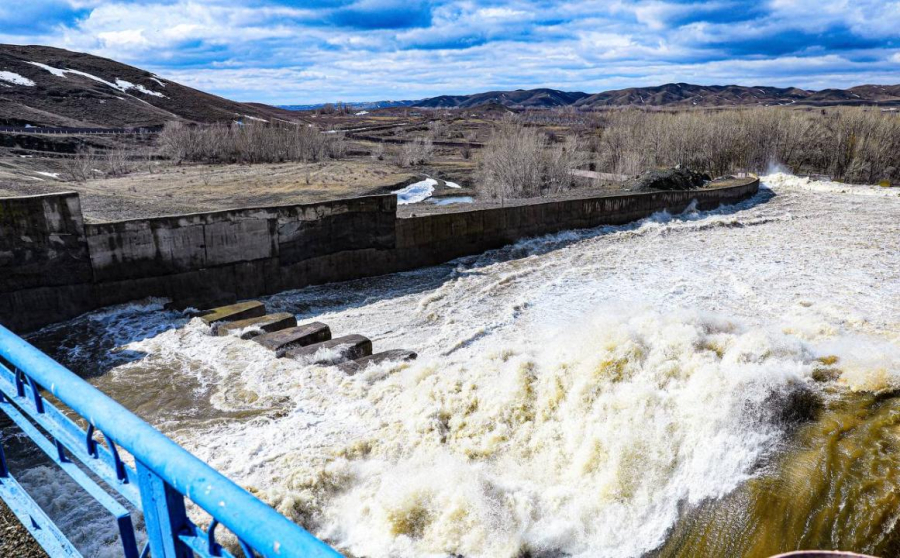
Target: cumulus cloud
x=291, y=51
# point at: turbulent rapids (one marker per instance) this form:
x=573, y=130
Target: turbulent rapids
x=708, y=384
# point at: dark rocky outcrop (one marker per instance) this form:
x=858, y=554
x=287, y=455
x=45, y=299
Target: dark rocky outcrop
x=668, y=180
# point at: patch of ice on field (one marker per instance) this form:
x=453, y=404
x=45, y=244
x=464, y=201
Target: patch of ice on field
x=15, y=79
x=414, y=193
x=452, y=200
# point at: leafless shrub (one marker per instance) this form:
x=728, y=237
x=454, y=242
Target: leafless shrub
x=437, y=128
x=83, y=166
x=116, y=162
x=377, y=152
x=853, y=144
x=415, y=152
x=249, y=142
x=518, y=162
x=466, y=151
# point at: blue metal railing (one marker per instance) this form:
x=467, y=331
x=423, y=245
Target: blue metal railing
x=164, y=473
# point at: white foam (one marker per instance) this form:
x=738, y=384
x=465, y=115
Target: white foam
x=572, y=390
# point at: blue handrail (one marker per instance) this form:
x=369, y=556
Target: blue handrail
x=164, y=472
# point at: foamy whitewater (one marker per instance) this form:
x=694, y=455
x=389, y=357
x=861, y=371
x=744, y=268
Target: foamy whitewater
x=572, y=392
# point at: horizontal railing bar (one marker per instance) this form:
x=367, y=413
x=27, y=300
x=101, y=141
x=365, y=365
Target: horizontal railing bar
x=35, y=520
x=73, y=438
x=264, y=529
x=73, y=470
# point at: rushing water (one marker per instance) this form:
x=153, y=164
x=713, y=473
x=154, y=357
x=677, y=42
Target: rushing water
x=708, y=384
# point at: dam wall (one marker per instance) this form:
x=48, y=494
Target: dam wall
x=54, y=267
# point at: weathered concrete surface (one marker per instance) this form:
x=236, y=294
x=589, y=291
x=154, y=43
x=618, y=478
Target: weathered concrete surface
x=349, y=347
x=299, y=336
x=436, y=238
x=42, y=242
x=260, y=325
x=394, y=355
x=234, y=312
x=196, y=260
x=179, y=244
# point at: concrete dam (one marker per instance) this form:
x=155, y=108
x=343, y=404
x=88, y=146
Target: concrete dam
x=55, y=266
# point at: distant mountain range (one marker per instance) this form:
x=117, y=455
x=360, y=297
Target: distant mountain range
x=44, y=86
x=668, y=95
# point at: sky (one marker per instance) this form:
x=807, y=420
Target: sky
x=291, y=52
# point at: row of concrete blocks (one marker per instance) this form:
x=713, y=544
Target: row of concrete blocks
x=281, y=334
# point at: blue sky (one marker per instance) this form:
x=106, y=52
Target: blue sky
x=286, y=52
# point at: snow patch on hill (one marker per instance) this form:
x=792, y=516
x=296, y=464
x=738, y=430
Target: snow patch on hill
x=15, y=79
x=120, y=84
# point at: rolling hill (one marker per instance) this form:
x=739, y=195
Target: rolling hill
x=675, y=95
x=44, y=86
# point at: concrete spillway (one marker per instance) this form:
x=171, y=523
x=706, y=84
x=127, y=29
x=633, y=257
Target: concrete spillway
x=604, y=392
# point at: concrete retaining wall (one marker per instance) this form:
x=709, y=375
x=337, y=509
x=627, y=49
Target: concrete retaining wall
x=54, y=267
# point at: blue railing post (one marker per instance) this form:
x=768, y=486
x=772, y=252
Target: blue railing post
x=163, y=478
x=164, y=515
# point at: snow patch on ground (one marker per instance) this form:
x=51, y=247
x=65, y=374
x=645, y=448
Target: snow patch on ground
x=127, y=85
x=414, y=193
x=55, y=71
x=119, y=85
x=362, y=113
x=255, y=118
x=15, y=79
x=49, y=174
x=452, y=184
x=161, y=84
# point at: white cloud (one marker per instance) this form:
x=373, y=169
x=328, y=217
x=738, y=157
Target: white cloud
x=284, y=54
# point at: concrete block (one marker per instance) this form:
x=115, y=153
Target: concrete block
x=394, y=355
x=260, y=325
x=234, y=312
x=299, y=336
x=349, y=347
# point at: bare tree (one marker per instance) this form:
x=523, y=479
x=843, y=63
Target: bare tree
x=82, y=166
x=249, y=142
x=415, y=152
x=518, y=162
